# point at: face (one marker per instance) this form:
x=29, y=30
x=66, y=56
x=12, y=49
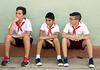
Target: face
x=73, y=21
x=49, y=22
x=19, y=14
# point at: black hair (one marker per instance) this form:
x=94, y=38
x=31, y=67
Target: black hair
x=50, y=15
x=77, y=15
x=21, y=8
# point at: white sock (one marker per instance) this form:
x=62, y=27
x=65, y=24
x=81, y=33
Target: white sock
x=58, y=57
x=37, y=56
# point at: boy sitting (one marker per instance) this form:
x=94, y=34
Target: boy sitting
x=49, y=33
x=76, y=36
x=19, y=35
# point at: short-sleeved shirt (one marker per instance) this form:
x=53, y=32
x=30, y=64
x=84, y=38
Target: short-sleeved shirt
x=24, y=26
x=54, y=29
x=80, y=30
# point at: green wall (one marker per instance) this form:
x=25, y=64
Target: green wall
x=37, y=9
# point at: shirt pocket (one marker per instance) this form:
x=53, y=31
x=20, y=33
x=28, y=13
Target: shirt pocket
x=79, y=32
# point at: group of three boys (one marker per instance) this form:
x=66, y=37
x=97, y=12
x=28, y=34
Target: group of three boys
x=75, y=36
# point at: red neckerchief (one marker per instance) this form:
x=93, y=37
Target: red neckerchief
x=49, y=31
x=74, y=29
x=19, y=27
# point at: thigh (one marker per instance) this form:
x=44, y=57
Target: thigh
x=44, y=44
x=13, y=41
x=18, y=42
x=84, y=43
x=47, y=45
x=68, y=43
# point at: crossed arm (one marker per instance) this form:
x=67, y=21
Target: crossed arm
x=11, y=30
x=75, y=38
x=42, y=36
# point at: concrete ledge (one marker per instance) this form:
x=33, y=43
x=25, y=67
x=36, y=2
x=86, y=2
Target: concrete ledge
x=48, y=53
x=49, y=64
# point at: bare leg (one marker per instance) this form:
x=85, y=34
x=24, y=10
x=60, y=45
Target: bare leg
x=88, y=44
x=39, y=46
x=65, y=44
x=26, y=41
x=57, y=45
x=8, y=40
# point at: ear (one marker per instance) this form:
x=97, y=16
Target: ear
x=24, y=16
x=78, y=20
x=53, y=20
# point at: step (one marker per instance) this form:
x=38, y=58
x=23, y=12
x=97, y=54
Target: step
x=49, y=64
x=48, y=53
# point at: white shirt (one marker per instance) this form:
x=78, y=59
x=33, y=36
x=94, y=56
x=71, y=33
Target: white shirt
x=25, y=27
x=54, y=29
x=80, y=31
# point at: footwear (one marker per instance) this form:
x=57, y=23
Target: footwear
x=91, y=63
x=38, y=62
x=5, y=61
x=66, y=62
x=25, y=62
x=60, y=62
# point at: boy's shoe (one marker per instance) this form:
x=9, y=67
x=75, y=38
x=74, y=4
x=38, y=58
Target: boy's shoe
x=38, y=62
x=60, y=62
x=5, y=61
x=91, y=63
x=25, y=62
x=66, y=62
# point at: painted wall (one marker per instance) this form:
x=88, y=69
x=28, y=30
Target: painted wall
x=37, y=9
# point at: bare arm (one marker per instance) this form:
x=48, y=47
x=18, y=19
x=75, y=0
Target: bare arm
x=48, y=37
x=53, y=36
x=64, y=35
x=22, y=35
x=11, y=29
x=85, y=37
x=76, y=38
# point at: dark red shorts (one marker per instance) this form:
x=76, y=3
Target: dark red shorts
x=19, y=42
x=48, y=45
x=76, y=44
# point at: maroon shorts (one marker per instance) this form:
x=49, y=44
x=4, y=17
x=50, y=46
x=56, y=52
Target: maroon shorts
x=48, y=45
x=19, y=42
x=76, y=44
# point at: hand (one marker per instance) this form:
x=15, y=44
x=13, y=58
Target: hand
x=50, y=42
x=42, y=37
x=15, y=19
x=15, y=36
x=76, y=38
x=80, y=38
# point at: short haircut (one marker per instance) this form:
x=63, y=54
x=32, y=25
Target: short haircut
x=50, y=15
x=77, y=15
x=21, y=8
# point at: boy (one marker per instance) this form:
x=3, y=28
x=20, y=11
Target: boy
x=19, y=35
x=49, y=33
x=76, y=36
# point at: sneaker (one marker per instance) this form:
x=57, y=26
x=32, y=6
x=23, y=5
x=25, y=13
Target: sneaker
x=60, y=62
x=25, y=62
x=38, y=62
x=66, y=62
x=91, y=63
x=5, y=61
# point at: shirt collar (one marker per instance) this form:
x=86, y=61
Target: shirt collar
x=52, y=25
x=80, y=23
x=23, y=20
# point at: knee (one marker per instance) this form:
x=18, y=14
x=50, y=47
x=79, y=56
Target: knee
x=64, y=39
x=40, y=40
x=56, y=40
x=8, y=37
x=26, y=38
x=87, y=41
